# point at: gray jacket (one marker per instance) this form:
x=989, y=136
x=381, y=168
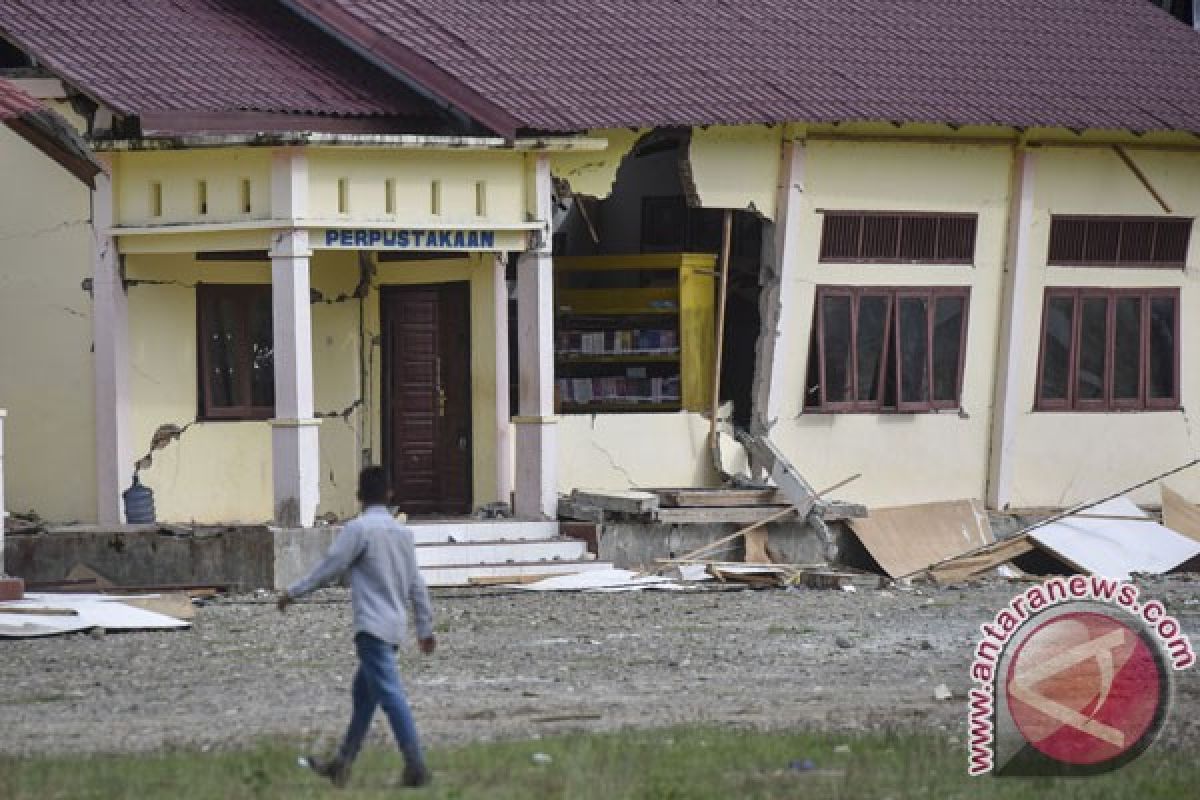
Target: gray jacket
x=384, y=579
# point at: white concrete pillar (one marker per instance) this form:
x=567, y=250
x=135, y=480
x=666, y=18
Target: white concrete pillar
x=1013, y=393
x=504, y=436
x=295, y=460
x=3, y=507
x=536, y=425
x=779, y=352
x=110, y=339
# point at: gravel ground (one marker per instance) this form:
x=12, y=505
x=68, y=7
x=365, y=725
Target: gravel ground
x=515, y=664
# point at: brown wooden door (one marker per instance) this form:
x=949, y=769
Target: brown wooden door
x=427, y=396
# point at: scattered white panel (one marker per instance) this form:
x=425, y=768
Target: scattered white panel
x=607, y=580
x=1116, y=548
x=92, y=611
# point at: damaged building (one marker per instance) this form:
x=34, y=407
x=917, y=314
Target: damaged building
x=951, y=251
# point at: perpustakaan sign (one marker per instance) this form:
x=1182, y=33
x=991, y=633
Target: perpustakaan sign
x=408, y=239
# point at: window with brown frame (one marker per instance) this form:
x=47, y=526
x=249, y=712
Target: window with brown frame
x=884, y=237
x=236, y=358
x=1094, y=241
x=887, y=349
x=1109, y=350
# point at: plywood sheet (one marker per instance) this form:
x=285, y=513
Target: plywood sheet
x=905, y=539
x=969, y=564
x=1179, y=515
x=1115, y=548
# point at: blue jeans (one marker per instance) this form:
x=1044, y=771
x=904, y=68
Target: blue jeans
x=377, y=683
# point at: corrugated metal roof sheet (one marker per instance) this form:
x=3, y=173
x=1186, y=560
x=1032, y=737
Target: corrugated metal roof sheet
x=576, y=64
x=141, y=56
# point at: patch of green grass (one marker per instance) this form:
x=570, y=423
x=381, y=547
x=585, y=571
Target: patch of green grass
x=693, y=763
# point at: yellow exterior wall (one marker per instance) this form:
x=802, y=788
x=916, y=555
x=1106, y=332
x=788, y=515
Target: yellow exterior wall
x=221, y=471
x=737, y=166
x=904, y=458
x=46, y=368
x=217, y=471
x=179, y=173
x=367, y=171
x=1067, y=457
x=593, y=173
x=619, y=451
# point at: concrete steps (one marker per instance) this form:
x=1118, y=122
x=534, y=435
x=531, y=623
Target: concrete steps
x=452, y=552
x=475, y=530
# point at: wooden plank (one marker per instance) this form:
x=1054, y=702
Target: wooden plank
x=627, y=502
x=40, y=612
x=963, y=567
x=570, y=509
x=719, y=498
x=174, y=604
x=904, y=539
x=503, y=580
x=726, y=539
x=744, y=515
x=1179, y=515
x=739, y=515
x=841, y=511
x=756, y=547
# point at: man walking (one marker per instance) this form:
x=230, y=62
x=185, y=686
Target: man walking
x=384, y=579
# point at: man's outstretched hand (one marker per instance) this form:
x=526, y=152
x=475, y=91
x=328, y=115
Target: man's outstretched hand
x=284, y=601
x=428, y=644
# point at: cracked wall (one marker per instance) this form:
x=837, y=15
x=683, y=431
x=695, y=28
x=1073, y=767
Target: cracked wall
x=220, y=471
x=1064, y=458
x=736, y=167
x=45, y=334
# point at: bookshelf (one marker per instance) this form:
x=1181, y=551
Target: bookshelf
x=633, y=333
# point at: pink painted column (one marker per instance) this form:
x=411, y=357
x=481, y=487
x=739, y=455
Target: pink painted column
x=295, y=448
x=110, y=337
x=536, y=425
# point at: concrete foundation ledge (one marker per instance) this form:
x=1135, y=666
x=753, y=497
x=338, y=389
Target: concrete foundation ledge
x=241, y=557
x=638, y=545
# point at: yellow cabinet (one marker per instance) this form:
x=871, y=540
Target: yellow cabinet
x=634, y=333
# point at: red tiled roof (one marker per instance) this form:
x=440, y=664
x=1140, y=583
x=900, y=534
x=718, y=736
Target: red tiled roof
x=162, y=57
x=47, y=131
x=577, y=64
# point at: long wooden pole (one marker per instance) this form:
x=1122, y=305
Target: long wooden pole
x=1070, y=512
x=723, y=293
x=755, y=526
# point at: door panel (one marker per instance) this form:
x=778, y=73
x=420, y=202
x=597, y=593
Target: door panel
x=427, y=397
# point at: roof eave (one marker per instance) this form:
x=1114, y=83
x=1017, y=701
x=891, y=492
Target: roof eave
x=420, y=74
x=54, y=137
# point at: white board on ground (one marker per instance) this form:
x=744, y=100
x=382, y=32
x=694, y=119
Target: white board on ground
x=1115, y=548
x=610, y=580
x=91, y=611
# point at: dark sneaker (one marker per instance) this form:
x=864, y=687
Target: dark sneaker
x=335, y=769
x=415, y=778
